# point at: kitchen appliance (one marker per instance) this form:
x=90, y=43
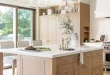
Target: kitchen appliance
x=106, y=59
x=106, y=45
x=106, y=55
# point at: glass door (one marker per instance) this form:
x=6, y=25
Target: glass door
x=6, y=23
x=25, y=25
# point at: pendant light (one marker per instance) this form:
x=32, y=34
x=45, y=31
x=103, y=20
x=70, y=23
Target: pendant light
x=66, y=5
x=38, y=3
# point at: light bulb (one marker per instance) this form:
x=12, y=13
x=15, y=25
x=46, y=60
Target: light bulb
x=66, y=8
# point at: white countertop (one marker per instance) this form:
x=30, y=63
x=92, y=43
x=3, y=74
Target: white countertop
x=55, y=52
x=93, y=43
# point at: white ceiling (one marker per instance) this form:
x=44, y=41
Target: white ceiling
x=26, y=3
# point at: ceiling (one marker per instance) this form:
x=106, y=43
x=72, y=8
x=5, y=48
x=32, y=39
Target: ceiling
x=26, y=3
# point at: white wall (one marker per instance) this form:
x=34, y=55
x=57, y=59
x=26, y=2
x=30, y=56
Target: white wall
x=85, y=1
x=24, y=3
x=98, y=26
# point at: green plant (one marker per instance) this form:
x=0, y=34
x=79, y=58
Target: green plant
x=67, y=25
x=44, y=10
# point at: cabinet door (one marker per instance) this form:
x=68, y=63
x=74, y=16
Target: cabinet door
x=48, y=30
x=30, y=66
x=44, y=29
x=97, y=71
x=52, y=30
x=67, y=69
x=86, y=68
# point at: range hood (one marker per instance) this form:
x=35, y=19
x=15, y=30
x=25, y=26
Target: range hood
x=102, y=9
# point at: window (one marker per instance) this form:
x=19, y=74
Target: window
x=6, y=23
x=25, y=25
x=16, y=24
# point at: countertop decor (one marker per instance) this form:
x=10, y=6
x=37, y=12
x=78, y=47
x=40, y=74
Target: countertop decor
x=68, y=26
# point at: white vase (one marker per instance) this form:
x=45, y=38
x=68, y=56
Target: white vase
x=44, y=14
x=74, y=40
x=49, y=11
x=63, y=12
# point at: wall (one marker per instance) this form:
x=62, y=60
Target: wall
x=23, y=3
x=85, y=1
x=98, y=26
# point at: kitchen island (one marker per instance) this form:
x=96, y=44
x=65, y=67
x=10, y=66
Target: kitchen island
x=57, y=62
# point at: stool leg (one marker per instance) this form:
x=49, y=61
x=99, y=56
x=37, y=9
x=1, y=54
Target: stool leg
x=13, y=67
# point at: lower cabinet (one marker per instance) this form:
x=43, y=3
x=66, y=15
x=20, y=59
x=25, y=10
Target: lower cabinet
x=86, y=67
x=30, y=66
x=97, y=63
x=68, y=69
x=96, y=71
x=65, y=65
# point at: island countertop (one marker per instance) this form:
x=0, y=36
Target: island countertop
x=55, y=51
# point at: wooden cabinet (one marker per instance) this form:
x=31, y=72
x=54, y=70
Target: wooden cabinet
x=50, y=29
x=65, y=65
x=68, y=69
x=86, y=67
x=65, y=60
x=97, y=71
x=93, y=64
x=97, y=63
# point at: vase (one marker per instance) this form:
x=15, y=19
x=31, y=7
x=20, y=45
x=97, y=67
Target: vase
x=44, y=13
x=74, y=41
x=49, y=11
x=63, y=12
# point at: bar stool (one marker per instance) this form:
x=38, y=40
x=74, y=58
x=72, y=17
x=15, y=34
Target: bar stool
x=9, y=59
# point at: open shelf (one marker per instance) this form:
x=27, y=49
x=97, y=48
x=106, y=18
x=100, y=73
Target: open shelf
x=55, y=9
x=61, y=14
x=86, y=34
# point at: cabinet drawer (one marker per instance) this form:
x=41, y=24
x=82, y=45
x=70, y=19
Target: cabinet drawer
x=96, y=53
x=96, y=71
x=65, y=60
x=66, y=70
x=96, y=61
x=87, y=55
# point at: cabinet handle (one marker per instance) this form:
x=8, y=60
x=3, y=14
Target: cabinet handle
x=97, y=73
x=66, y=71
x=83, y=66
x=96, y=62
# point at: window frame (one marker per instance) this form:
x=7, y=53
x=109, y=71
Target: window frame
x=16, y=27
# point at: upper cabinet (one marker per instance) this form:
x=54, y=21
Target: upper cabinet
x=50, y=28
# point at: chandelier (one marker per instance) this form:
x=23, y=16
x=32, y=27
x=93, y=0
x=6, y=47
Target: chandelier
x=39, y=3
x=66, y=5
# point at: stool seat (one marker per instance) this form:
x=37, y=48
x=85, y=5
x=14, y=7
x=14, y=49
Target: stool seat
x=9, y=59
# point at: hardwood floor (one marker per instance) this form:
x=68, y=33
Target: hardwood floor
x=106, y=73
x=9, y=72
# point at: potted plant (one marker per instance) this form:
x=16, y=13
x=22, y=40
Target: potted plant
x=44, y=12
x=68, y=26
